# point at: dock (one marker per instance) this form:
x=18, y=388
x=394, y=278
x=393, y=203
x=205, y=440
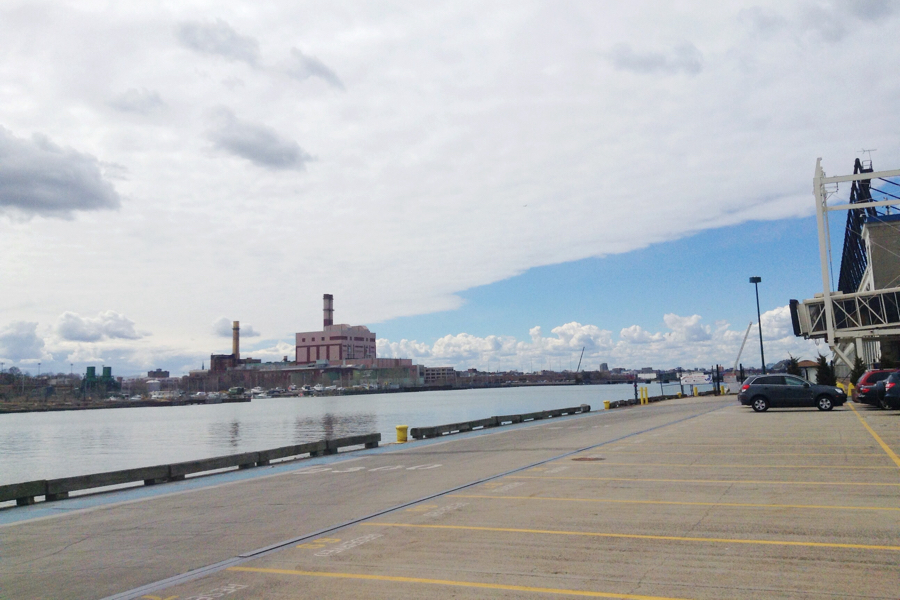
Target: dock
x=695, y=498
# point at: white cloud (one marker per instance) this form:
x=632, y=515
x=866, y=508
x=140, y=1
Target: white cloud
x=688, y=343
x=403, y=348
x=829, y=21
x=19, y=341
x=218, y=38
x=108, y=325
x=274, y=353
x=141, y=101
x=686, y=329
x=222, y=328
x=302, y=67
x=683, y=58
x=636, y=334
x=255, y=142
x=38, y=177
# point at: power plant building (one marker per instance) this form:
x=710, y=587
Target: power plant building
x=336, y=343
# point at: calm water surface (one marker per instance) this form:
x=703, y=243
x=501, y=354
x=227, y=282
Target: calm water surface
x=63, y=444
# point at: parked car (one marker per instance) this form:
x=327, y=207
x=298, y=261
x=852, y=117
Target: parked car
x=888, y=391
x=778, y=391
x=866, y=392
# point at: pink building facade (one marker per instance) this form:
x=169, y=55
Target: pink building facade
x=336, y=343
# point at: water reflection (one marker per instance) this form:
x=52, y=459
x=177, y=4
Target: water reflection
x=235, y=434
x=330, y=426
x=225, y=434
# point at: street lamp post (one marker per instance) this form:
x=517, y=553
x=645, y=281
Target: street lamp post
x=755, y=281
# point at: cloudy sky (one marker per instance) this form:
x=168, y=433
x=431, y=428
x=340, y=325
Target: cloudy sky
x=490, y=184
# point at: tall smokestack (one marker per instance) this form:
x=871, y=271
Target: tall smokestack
x=328, y=309
x=236, y=339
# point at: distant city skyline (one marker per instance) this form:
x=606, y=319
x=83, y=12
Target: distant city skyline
x=479, y=185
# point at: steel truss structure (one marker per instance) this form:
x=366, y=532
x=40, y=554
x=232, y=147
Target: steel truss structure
x=863, y=314
x=847, y=315
x=854, y=258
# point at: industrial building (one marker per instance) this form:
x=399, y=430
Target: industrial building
x=341, y=344
x=334, y=342
x=444, y=375
x=219, y=363
x=337, y=355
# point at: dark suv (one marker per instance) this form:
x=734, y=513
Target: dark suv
x=888, y=391
x=866, y=392
x=778, y=391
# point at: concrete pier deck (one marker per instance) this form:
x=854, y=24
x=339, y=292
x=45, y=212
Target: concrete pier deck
x=695, y=498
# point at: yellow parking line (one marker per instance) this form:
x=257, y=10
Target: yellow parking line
x=672, y=502
x=729, y=481
x=706, y=466
x=881, y=443
x=632, y=536
x=769, y=445
x=760, y=454
x=467, y=584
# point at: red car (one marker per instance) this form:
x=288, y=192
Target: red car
x=865, y=392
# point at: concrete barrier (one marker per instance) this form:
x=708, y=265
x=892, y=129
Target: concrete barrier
x=504, y=419
x=369, y=440
x=58, y=489
x=311, y=448
x=429, y=432
x=23, y=493
x=438, y=430
x=242, y=461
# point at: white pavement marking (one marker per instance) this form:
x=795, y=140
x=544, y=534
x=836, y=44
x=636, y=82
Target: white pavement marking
x=219, y=592
x=445, y=509
x=348, y=545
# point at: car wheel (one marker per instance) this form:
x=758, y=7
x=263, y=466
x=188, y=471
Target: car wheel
x=883, y=404
x=824, y=403
x=760, y=404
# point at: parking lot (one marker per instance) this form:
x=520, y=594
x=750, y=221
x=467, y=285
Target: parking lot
x=692, y=498
x=712, y=501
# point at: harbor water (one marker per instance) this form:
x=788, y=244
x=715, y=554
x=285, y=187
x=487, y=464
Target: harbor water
x=46, y=445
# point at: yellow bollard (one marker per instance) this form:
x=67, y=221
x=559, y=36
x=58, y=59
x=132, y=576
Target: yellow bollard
x=401, y=434
x=696, y=393
x=606, y=405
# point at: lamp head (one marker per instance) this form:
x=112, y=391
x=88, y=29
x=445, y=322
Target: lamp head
x=755, y=279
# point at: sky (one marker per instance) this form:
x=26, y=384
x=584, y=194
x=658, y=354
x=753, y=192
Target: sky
x=493, y=184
